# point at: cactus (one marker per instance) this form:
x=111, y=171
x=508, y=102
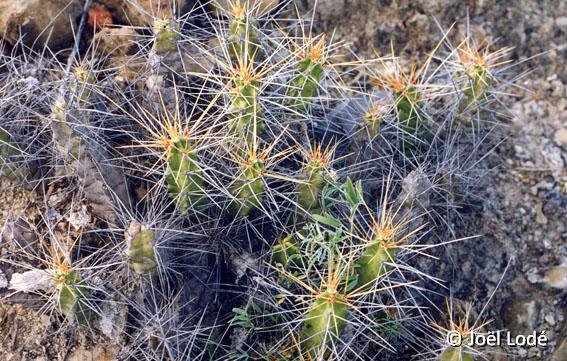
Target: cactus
x=141, y=251
x=248, y=188
x=244, y=109
x=474, y=68
x=185, y=183
x=73, y=297
x=284, y=251
x=373, y=118
x=408, y=108
x=303, y=87
x=166, y=33
x=372, y=264
x=243, y=35
x=324, y=321
x=315, y=172
x=184, y=129
x=455, y=354
x=83, y=79
x=378, y=250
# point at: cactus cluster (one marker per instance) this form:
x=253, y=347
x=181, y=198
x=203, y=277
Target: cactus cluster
x=238, y=166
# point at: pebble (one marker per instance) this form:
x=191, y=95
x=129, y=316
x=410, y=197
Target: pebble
x=540, y=217
x=550, y=319
x=560, y=137
x=561, y=21
x=556, y=277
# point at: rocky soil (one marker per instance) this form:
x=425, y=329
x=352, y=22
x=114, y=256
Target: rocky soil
x=518, y=267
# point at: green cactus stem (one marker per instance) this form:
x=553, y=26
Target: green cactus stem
x=243, y=36
x=372, y=264
x=455, y=354
x=324, y=321
x=248, y=188
x=479, y=82
x=304, y=86
x=141, y=248
x=284, y=251
x=73, y=297
x=308, y=196
x=373, y=118
x=244, y=110
x=408, y=108
x=410, y=119
x=185, y=182
x=166, y=34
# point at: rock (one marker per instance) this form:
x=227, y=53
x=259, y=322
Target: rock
x=561, y=21
x=143, y=12
x=522, y=316
x=115, y=41
x=556, y=277
x=540, y=217
x=560, y=137
x=32, y=281
x=96, y=353
x=560, y=353
x=41, y=22
x=550, y=319
x=99, y=17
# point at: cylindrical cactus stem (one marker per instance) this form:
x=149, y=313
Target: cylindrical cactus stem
x=408, y=108
x=477, y=88
x=373, y=263
x=248, y=188
x=284, y=251
x=324, y=321
x=9, y=149
x=140, y=242
x=185, y=182
x=410, y=119
x=303, y=87
x=308, y=196
x=243, y=35
x=83, y=80
x=166, y=32
x=73, y=297
x=315, y=172
x=244, y=109
x=455, y=354
x=373, y=118
x=66, y=139
x=476, y=75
